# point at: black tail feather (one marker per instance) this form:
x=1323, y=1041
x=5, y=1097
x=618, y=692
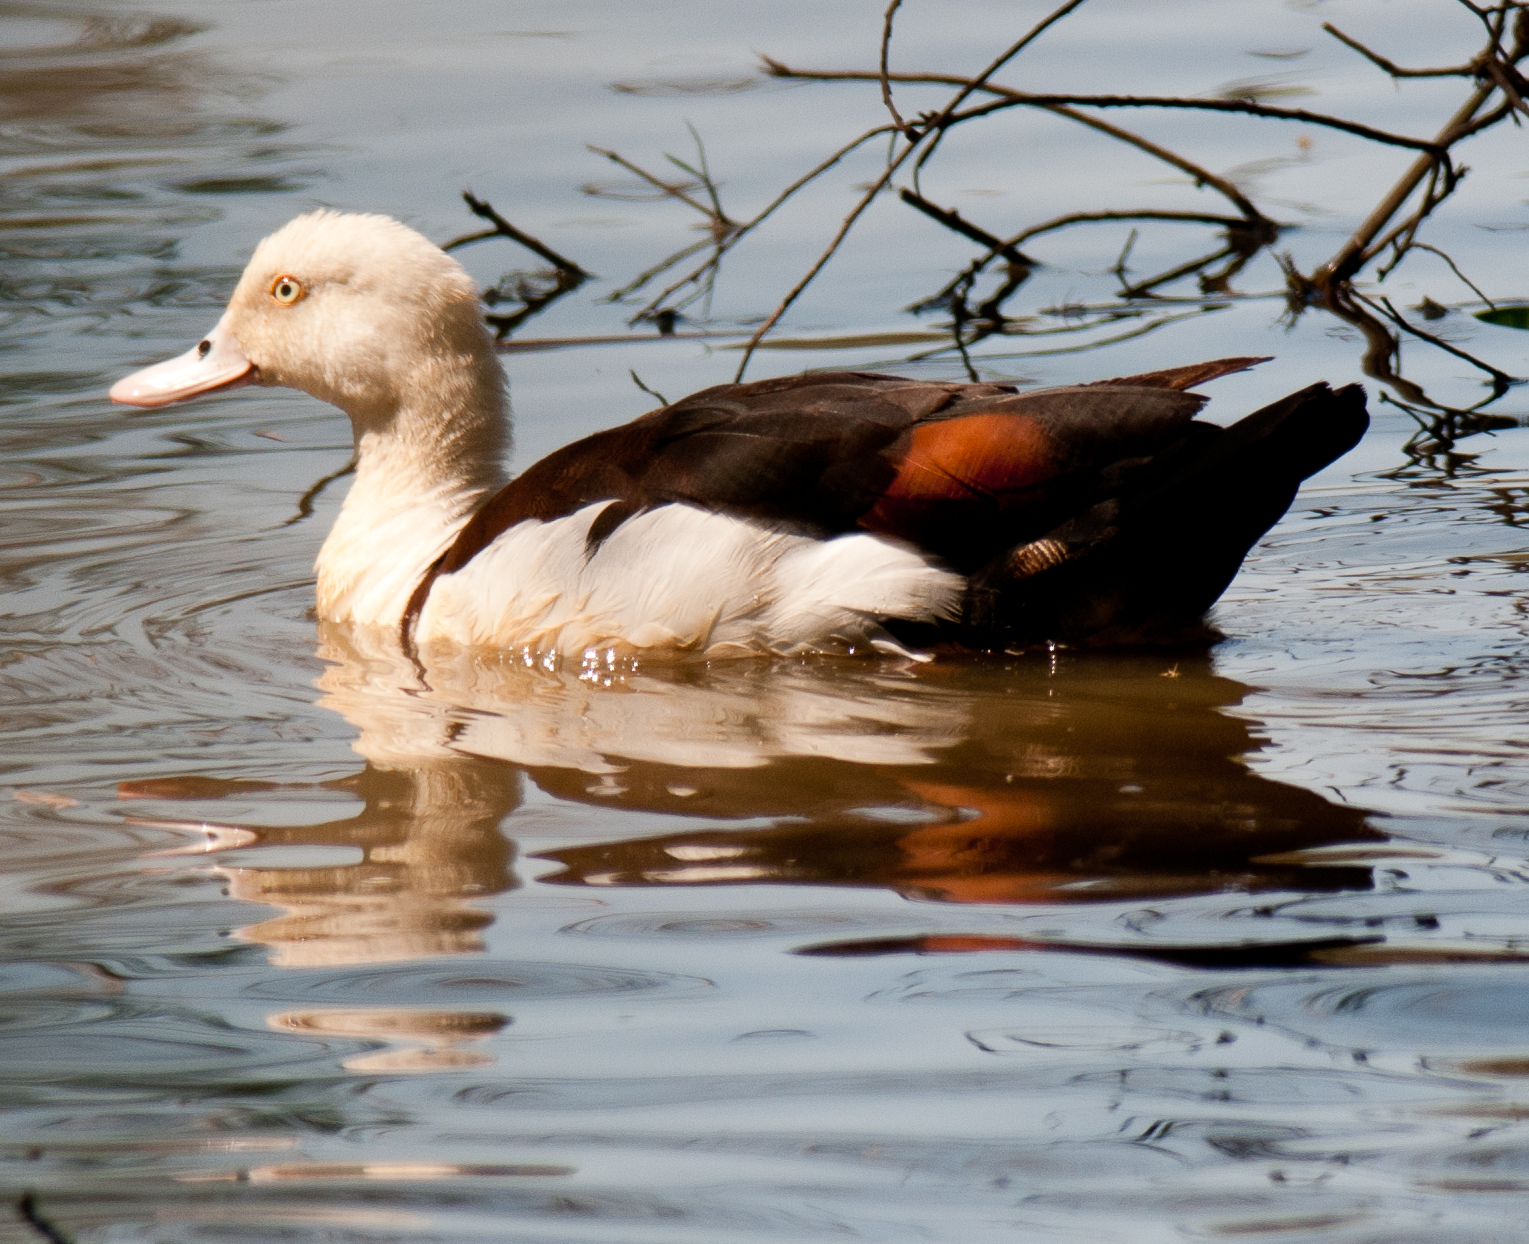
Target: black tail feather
x=1145, y=565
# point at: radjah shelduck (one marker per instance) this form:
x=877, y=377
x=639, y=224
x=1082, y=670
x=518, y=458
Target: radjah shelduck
x=830, y=512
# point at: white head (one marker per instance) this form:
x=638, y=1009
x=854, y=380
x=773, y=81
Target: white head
x=358, y=310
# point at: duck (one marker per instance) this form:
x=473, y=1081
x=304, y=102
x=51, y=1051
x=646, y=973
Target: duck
x=823, y=513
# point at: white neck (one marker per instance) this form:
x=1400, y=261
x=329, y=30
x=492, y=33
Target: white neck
x=421, y=471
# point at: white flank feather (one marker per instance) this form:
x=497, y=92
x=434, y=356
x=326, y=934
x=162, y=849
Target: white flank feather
x=682, y=578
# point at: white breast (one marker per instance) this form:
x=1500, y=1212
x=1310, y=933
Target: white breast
x=677, y=577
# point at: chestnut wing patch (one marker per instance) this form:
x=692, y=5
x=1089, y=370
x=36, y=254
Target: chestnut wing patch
x=958, y=472
x=988, y=474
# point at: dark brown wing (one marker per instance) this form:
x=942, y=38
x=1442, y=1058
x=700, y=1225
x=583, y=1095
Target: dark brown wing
x=798, y=449
x=962, y=471
x=1188, y=377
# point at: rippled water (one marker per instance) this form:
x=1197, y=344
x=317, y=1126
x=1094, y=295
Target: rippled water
x=1073, y=947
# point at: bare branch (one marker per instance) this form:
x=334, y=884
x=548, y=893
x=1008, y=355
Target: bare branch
x=769, y=209
x=1083, y=218
x=1120, y=268
x=1014, y=49
x=1395, y=70
x=795, y=292
x=936, y=126
x=503, y=228
x=1509, y=81
x=1382, y=350
x=1012, y=98
x=720, y=221
x=637, y=380
x=1401, y=236
x=1486, y=120
x=1202, y=176
x=1139, y=330
x=1357, y=251
x=1423, y=246
x=952, y=220
x=532, y=345
x=669, y=188
x=1500, y=379
x=886, y=52
x=974, y=269
x=1174, y=274
x=642, y=278
x=533, y=301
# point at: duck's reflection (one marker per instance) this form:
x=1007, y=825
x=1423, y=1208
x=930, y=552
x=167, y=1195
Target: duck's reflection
x=1097, y=777
x=430, y=845
x=1046, y=778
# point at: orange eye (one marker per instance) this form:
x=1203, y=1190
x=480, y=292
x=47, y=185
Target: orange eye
x=286, y=290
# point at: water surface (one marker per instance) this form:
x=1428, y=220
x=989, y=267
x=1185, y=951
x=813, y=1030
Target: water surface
x=1053, y=946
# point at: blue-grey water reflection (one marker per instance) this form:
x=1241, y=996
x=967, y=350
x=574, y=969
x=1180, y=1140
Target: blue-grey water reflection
x=297, y=944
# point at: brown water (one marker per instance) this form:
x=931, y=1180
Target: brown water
x=1054, y=947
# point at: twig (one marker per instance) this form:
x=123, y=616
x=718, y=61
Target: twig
x=1508, y=82
x=564, y=281
x=1083, y=218
x=936, y=126
x=306, y=502
x=886, y=51
x=1390, y=67
x=669, y=188
x=720, y=220
x=1424, y=246
x=958, y=333
x=992, y=309
x=952, y=220
x=1202, y=176
x=526, y=345
x=795, y=291
x=1401, y=235
x=1362, y=247
x=503, y=228
x=764, y=214
x=642, y=278
x=1174, y=274
x=1009, y=98
x=1120, y=268
x=1501, y=381
x=1140, y=330
x=938, y=123
x=27, y=1211
x=637, y=380
x=1357, y=251
x=977, y=265
x=719, y=226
